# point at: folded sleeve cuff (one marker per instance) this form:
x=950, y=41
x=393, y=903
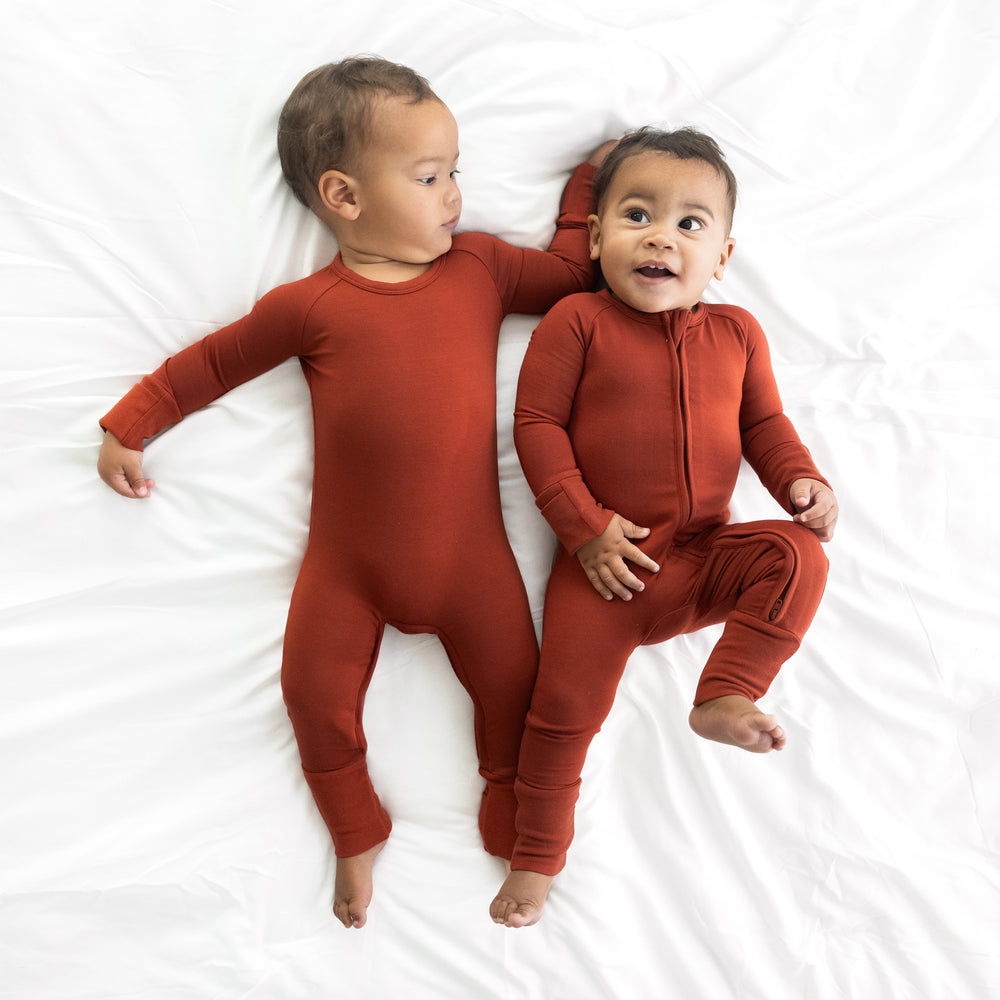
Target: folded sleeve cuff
x=573, y=514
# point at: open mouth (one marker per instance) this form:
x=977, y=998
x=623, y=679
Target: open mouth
x=655, y=271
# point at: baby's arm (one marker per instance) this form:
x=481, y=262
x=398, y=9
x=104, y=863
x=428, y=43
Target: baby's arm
x=532, y=281
x=547, y=386
x=816, y=506
x=772, y=446
x=604, y=559
x=196, y=376
x=121, y=469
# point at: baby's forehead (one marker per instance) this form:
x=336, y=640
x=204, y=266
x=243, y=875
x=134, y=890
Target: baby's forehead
x=654, y=175
x=395, y=119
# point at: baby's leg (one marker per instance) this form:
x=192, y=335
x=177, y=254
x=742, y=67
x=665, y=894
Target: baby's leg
x=585, y=645
x=331, y=644
x=490, y=640
x=765, y=579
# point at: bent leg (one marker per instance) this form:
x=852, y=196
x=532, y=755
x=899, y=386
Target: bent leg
x=765, y=580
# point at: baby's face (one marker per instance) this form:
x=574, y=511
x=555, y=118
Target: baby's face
x=662, y=232
x=408, y=198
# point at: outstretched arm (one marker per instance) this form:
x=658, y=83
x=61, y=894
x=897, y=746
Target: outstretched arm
x=121, y=469
x=540, y=278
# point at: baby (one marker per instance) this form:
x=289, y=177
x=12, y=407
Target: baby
x=634, y=408
x=397, y=339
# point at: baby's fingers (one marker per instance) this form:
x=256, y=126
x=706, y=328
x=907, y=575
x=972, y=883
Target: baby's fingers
x=820, y=518
x=131, y=486
x=121, y=469
x=823, y=526
x=597, y=582
x=617, y=580
x=635, y=555
x=607, y=584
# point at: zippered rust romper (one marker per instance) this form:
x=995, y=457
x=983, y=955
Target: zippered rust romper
x=648, y=415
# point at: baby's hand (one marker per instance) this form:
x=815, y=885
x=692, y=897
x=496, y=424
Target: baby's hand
x=121, y=469
x=596, y=158
x=603, y=559
x=816, y=507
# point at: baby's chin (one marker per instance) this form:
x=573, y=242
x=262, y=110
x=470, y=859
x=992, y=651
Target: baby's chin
x=644, y=305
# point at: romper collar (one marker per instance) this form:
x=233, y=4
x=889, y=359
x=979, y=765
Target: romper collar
x=671, y=318
x=342, y=271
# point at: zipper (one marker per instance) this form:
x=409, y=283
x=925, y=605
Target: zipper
x=676, y=324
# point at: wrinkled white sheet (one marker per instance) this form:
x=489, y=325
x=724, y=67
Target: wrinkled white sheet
x=157, y=841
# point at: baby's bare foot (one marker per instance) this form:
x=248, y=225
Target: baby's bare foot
x=739, y=722
x=352, y=893
x=520, y=899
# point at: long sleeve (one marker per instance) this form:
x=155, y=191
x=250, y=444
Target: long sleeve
x=542, y=277
x=270, y=334
x=550, y=373
x=770, y=442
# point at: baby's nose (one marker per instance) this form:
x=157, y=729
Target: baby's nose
x=659, y=238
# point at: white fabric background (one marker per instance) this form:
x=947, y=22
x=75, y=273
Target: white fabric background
x=157, y=841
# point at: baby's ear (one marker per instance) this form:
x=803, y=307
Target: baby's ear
x=338, y=193
x=594, y=225
x=727, y=252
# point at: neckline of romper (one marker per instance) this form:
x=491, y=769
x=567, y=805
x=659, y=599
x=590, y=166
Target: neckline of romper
x=341, y=270
x=661, y=320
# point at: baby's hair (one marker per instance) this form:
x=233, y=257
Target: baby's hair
x=684, y=143
x=327, y=117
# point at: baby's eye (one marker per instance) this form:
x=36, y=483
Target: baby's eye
x=426, y=181
x=636, y=215
x=691, y=224
x=454, y=173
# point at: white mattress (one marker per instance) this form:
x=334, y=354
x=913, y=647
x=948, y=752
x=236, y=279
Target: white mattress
x=157, y=840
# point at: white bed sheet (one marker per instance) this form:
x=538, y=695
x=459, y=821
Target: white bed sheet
x=157, y=840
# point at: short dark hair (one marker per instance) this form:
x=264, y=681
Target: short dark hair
x=684, y=143
x=327, y=117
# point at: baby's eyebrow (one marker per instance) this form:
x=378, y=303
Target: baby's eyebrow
x=431, y=161
x=697, y=207
x=691, y=206
x=638, y=196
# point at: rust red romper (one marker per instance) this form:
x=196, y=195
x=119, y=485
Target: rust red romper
x=406, y=524
x=647, y=415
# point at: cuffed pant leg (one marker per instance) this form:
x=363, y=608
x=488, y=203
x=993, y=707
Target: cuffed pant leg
x=765, y=580
x=331, y=644
x=490, y=640
x=586, y=642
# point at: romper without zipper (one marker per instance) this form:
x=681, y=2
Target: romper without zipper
x=406, y=525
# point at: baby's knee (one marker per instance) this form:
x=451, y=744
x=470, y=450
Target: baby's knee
x=810, y=558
